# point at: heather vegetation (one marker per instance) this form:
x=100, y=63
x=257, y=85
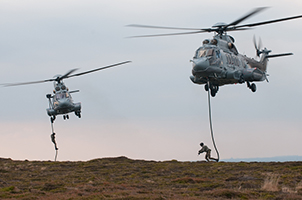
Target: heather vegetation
x=123, y=178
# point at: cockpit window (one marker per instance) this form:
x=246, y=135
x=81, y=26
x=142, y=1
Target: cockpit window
x=201, y=53
x=61, y=96
x=204, y=52
x=210, y=52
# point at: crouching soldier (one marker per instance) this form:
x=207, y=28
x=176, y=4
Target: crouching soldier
x=206, y=149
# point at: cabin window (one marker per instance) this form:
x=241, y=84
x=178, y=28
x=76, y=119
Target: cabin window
x=217, y=54
x=234, y=60
x=228, y=59
x=210, y=52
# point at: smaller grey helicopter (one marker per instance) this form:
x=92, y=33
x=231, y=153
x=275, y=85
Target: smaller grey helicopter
x=61, y=102
x=217, y=62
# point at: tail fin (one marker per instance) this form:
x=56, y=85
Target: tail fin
x=265, y=56
x=263, y=59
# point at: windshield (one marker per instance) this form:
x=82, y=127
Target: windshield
x=61, y=96
x=203, y=53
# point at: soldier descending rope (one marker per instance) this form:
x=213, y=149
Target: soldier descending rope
x=53, y=139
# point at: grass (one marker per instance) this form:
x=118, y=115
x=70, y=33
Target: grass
x=271, y=183
x=123, y=178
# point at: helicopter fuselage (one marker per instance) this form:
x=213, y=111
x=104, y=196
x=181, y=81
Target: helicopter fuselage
x=61, y=103
x=219, y=63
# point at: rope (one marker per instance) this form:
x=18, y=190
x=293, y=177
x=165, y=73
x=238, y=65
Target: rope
x=53, y=139
x=210, y=119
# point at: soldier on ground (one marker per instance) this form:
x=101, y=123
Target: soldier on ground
x=206, y=149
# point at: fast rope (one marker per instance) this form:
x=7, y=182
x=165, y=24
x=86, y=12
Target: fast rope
x=53, y=139
x=210, y=119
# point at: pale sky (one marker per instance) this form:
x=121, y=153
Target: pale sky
x=148, y=109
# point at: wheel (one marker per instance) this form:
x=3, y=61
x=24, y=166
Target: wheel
x=52, y=119
x=253, y=87
x=78, y=114
x=213, y=92
x=212, y=87
x=206, y=87
x=67, y=116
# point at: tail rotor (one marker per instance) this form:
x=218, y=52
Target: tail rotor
x=258, y=47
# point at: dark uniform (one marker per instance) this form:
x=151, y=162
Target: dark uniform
x=53, y=139
x=208, y=152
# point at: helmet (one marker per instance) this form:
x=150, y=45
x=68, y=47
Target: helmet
x=201, y=144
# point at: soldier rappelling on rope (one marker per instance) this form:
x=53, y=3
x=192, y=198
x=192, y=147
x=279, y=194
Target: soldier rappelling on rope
x=53, y=139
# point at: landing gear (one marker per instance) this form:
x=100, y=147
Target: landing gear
x=241, y=79
x=52, y=119
x=78, y=114
x=65, y=117
x=251, y=86
x=214, y=89
x=206, y=87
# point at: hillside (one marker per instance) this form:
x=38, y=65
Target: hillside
x=123, y=178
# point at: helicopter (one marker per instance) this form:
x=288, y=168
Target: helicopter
x=217, y=62
x=61, y=102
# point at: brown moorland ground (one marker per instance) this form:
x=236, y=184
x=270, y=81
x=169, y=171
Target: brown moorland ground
x=123, y=178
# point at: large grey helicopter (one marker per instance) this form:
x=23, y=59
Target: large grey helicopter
x=61, y=102
x=217, y=62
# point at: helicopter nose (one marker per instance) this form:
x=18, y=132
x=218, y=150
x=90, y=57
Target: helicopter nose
x=63, y=103
x=200, y=65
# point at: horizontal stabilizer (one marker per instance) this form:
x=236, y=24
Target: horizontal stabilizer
x=278, y=55
x=74, y=91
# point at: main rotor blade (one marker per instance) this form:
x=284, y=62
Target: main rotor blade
x=59, y=78
x=246, y=16
x=163, y=27
x=269, y=22
x=234, y=29
x=26, y=83
x=66, y=75
x=101, y=68
x=169, y=34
